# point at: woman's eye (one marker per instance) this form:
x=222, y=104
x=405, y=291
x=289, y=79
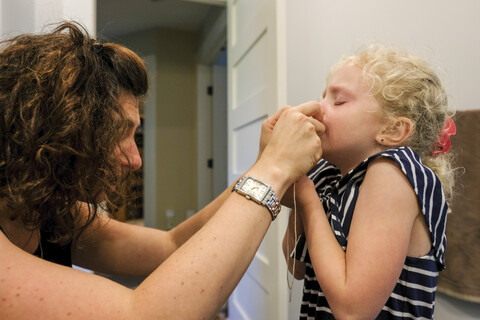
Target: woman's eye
x=339, y=103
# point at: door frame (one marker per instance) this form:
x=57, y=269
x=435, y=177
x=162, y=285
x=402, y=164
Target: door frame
x=210, y=50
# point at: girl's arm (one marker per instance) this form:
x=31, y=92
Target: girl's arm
x=358, y=282
x=288, y=244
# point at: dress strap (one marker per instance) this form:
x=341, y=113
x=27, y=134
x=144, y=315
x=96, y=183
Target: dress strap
x=6, y=235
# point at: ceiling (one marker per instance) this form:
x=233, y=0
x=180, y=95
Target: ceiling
x=119, y=17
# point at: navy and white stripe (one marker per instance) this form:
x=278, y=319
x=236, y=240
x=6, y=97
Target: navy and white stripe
x=414, y=294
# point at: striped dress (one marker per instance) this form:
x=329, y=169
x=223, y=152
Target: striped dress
x=414, y=294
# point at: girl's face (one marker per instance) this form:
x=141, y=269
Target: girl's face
x=128, y=145
x=351, y=117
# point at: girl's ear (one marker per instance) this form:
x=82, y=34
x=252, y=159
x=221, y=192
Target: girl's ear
x=395, y=132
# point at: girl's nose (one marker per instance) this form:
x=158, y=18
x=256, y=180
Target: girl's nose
x=323, y=104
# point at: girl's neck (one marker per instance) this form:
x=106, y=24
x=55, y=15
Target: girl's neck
x=351, y=162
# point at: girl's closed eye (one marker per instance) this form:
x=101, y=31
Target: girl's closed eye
x=340, y=98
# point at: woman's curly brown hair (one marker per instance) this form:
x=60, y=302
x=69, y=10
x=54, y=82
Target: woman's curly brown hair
x=61, y=123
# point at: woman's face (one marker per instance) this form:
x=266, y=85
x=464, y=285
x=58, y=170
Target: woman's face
x=351, y=117
x=130, y=156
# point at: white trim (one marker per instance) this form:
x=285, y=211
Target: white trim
x=150, y=180
x=216, y=38
x=222, y=3
x=204, y=136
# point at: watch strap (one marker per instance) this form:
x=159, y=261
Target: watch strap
x=269, y=200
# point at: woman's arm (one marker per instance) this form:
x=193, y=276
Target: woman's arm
x=358, y=282
x=110, y=246
x=199, y=276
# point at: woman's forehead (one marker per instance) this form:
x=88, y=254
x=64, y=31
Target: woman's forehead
x=130, y=107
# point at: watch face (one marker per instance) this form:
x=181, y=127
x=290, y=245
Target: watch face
x=255, y=188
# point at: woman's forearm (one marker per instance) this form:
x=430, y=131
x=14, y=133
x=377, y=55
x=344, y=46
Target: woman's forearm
x=213, y=261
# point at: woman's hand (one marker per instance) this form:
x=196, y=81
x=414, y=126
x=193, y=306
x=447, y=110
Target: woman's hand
x=291, y=141
x=267, y=129
x=269, y=124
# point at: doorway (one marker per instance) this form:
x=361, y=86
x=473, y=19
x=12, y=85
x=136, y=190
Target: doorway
x=207, y=22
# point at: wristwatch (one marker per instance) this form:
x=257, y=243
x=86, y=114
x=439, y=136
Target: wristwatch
x=260, y=192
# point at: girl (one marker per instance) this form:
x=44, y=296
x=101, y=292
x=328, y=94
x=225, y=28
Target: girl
x=382, y=184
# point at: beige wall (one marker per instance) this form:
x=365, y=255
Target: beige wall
x=175, y=53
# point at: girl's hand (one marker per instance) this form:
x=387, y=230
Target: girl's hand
x=305, y=194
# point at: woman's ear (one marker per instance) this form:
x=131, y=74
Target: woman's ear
x=395, y=132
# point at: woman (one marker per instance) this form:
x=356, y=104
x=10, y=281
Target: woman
x=68, y=110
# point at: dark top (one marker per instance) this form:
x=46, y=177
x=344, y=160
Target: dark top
x=53, y=252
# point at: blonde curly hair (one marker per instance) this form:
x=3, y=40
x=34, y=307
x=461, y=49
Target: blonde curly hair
x=406, y=86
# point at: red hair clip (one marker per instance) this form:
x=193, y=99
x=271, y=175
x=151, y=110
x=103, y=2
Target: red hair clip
x=443, y=142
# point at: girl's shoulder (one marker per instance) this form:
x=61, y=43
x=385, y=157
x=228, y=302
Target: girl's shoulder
x=426, y=184
x=429, y=192
x=402, y=156
x=411, y=165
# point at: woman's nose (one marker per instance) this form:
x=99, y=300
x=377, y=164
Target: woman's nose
x=131, y=156
x=135, y=159
x=136, y=163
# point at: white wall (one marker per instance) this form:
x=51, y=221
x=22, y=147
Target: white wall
x=444, y=32
x=19, y=16
x=16, y=16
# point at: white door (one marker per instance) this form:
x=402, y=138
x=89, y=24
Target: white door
x=256, y=89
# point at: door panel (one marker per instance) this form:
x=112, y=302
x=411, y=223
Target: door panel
x=253, y=80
